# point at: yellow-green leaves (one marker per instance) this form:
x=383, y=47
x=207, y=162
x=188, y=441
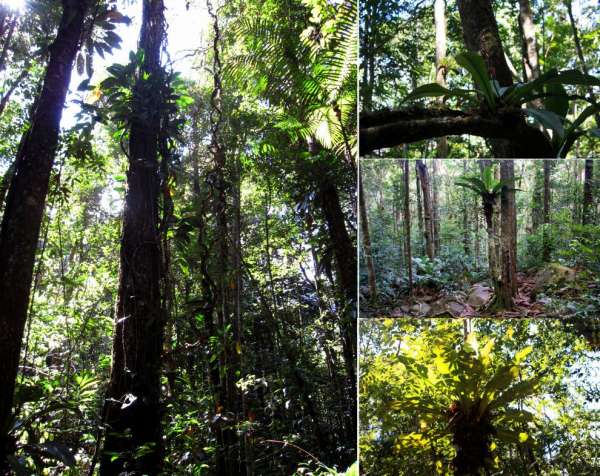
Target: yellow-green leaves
x=522, y=354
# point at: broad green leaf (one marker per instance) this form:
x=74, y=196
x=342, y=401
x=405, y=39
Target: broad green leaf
x=435, y=90
x=503, y=377
x=520, y=390
x=557, y=100
x=522, y=354
x=475, y=65
x=548, y=119
x=487, y=349
x=574, y=77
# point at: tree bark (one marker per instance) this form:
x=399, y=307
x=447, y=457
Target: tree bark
x=132, y=407
x=439, y=15
x=546, y=210
x=427, y=208
x=508, y=219
x=465, y=218
x=480, y=32
x=531, y=66
x=588, y=195
x=25, y=206
x=436, y=206
x=419, y=209
x=407, y=243
x=384, y=129
x=366, y=239
x=537, y=198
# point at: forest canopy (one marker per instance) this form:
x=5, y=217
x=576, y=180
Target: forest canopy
x=177, y=248
x=476, y=397
x=479, y=78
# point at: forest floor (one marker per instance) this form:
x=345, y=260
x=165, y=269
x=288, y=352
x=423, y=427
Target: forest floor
x=476, y=301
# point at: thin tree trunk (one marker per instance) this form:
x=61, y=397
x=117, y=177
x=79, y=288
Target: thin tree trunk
x=537, y=206
x=133, y=410
x=508, y=252
x=465, y=218
x=419, y=210
x=427, y=208
x=579, y=50
x=439, y=14
x=435, y=178
x=529, y=46
x=25, y=203
x=6, y=45
x=366, y=238
x=546, y=210
x=407, y=243
x=588, y=195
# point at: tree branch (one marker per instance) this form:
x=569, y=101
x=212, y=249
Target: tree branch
x=384, y=129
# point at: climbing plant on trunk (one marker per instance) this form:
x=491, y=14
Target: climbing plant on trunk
x=132, y=410
x=490, y=190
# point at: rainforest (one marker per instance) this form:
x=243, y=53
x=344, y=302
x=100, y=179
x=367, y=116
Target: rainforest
x=177, y=248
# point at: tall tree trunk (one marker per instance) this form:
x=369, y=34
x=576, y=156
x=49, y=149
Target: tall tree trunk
x=132, y=407
x=537, y=205
x=346, y=267
x=439, y=15
x=419, y=210
x=366, y=239
x=508, y=252
x=588, y=195
x=531, y=66
x=25, y=203
x=546, y=210
x=407, y=247
x=480, y=32
x=427, y=208
x=465, y=217
x=495, y=269
x=435, y=200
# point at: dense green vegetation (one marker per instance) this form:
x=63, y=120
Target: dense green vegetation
x=450, y=247
x=510, y=397
x=190, y=309
x=479, y=78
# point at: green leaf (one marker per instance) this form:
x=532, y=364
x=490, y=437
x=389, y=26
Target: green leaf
x=548, y=119
x=520, y=355
x=558, y=100
x=352, y=470
x=520, y=390
x=435, y=90
x=475, y=65
x=574, y=77
x=571, y=134
x=507, y=435
x=503, y=377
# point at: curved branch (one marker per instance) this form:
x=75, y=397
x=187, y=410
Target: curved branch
x=384, y=129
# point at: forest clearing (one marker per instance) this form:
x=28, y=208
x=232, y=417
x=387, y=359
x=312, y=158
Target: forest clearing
x=466, y=397
x=445, y=239
x=177, y=248
x=479, y=78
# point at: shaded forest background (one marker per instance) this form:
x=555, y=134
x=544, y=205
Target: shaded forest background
x=440, y=227
x=178, y=260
